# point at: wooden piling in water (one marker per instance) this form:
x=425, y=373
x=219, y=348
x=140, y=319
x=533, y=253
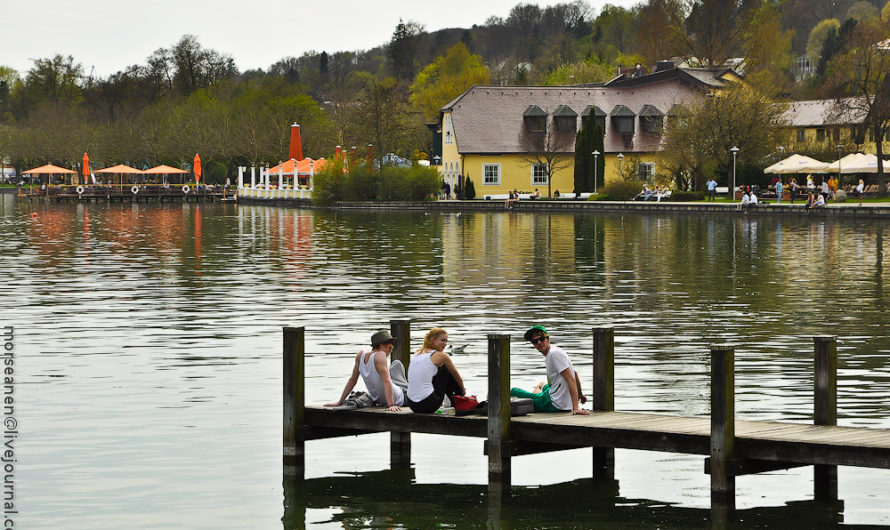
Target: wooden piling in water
x=825, y=410
x=294, y=450
x=722, y=431
x=400, y=442
x=499, y=427
x=603, y=395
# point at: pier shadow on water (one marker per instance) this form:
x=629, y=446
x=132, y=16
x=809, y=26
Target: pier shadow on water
x=392, y=499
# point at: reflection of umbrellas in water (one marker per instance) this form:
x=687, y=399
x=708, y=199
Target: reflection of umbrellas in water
x=122, y=170
x=165, y=170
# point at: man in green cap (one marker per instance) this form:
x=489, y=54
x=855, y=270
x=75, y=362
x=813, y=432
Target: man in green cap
x=562, y=392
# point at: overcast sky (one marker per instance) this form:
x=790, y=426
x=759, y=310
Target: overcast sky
x=109, y=35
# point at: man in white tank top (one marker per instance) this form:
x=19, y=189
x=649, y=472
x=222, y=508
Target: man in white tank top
x=562, y=393
x=386, y=386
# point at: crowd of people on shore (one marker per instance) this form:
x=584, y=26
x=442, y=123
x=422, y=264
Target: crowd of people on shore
x=433, y=380
x=817, y=195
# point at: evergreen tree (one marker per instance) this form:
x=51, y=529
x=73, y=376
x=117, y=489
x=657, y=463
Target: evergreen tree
x=588, y=140
x=469, y=190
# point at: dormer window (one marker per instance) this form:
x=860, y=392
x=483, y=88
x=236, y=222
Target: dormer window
x=592, y=111
x=535, y=119
x=566, y=119
x=623, y=119
x=651, y=119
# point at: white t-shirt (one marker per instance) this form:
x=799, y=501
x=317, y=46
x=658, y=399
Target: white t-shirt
x=752, y=199
x=745, y=198
x=556, y=361
x=820, y=200
x=420, y=376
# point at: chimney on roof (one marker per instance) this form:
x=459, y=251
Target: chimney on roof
x=296, y=143
x=664, y=65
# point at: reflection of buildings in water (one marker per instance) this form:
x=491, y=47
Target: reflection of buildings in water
x=283, y=232
x=496, y=249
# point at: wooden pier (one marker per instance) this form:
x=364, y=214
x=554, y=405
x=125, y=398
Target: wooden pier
x=127, y=193
x=732, y=448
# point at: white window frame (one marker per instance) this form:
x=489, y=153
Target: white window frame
x=649, y=174
x=497, y=180
x=543, y=177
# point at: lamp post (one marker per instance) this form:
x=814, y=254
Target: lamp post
x=595, y=154
x=734, y=150
x=620, y=158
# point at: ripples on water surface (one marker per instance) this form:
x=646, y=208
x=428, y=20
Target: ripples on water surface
x=149, y=338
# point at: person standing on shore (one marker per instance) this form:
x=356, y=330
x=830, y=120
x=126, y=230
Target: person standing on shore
x=794, y=187
x=860, y=189
x=779, y=189
x=712, y=189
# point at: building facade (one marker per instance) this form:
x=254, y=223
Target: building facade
x=500, y=137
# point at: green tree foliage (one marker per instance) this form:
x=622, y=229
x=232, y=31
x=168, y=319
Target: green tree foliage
x=863, y=11
x=402, y=50
x=817, y=37
x=360, y=182
x=698, y=139
x=384, y=118
x=469, y=190
x=857, y=75
x=445, y=78
x=588, y=71
x=588, y=140
x=767, y=52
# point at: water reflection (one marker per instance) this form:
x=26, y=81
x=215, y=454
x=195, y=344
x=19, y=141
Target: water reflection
x=151, y=367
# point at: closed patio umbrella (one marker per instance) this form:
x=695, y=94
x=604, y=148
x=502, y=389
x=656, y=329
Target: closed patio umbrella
x=197, y=168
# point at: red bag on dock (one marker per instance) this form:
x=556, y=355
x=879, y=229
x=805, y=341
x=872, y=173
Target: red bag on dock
x=465, y=402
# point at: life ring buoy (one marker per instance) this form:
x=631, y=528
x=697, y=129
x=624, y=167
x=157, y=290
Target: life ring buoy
x=185, y=189
x=80, y=190
x=135, y=190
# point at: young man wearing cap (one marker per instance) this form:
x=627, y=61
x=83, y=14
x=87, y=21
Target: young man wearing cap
x=562, y=392
x=386, y=386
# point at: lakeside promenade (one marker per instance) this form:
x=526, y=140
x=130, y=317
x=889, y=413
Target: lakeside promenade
x=849, y=209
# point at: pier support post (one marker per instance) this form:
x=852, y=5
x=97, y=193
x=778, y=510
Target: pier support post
x=400, y=442
x=294, y=455
x=603, y=393
x=722, y=431
x=499, y=427
x=825, y=411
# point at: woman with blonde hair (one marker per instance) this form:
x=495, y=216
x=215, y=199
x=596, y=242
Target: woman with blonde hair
x=432, y=374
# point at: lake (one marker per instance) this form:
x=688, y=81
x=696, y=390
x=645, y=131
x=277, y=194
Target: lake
x=148, y=356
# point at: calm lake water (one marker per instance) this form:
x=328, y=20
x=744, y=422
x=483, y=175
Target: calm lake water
x=148, y=368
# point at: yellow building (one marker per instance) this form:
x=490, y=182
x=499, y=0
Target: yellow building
x=503, y=138
x=817, y=125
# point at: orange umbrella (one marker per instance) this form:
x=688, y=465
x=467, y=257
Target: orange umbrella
x=85, y=170
x=197, y=168
x=122, y=169
x=164, y=170
x=49, y=169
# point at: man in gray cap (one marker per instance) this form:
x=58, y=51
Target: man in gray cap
x=562, y=392
x=387, y=386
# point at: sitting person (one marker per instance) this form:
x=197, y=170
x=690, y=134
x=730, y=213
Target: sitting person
x=650, y=194
x=432, y=375
x=814, y=200
x=511, y=198
x=386, y=386
x=746, y=200
x=643, y=193
x=562, y=392
x=536, y=194
x=556, y=194
x=752, y=200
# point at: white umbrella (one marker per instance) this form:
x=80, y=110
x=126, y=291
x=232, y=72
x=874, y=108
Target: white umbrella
x=857, y=163
x=797, y=164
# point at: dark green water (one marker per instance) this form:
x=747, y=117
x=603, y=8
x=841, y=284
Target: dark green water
x=149, y=363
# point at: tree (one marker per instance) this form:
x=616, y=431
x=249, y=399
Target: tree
x=446, y=78
x=703, y=132
x=767, y=52
x=402, y=50
x=588, y=140
x=857, y=77
x=660, y=31
x=549, y=149
x=817, y=38
x=715, y=29
x=382, y=116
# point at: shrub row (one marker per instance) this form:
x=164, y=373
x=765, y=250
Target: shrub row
x=361, y=183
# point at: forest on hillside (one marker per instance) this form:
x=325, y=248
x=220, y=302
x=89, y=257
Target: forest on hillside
x=186, y=98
